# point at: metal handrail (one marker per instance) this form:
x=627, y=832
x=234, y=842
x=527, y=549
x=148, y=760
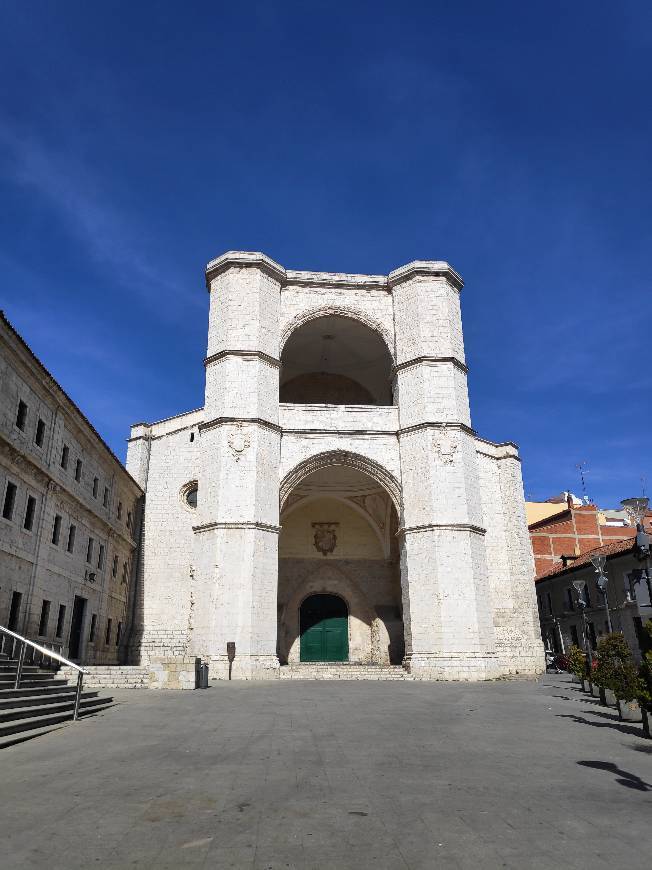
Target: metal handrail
x=25, y=642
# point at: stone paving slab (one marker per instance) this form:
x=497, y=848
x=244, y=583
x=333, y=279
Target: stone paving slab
x=271, y=776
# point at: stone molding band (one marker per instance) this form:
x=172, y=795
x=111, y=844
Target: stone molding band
x=256, y=421
x=446, y=527
x=245, y=354
x=263, y=527
x=420, y=360
x=418, y=427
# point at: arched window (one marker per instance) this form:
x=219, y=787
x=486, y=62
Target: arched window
x=335, y=360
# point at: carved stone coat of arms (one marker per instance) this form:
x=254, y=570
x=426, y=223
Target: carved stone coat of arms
x=325, y=537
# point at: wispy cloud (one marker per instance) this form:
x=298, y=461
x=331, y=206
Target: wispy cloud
x=80, y=199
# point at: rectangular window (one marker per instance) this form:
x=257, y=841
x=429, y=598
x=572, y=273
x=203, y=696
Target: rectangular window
x=10, y=500
x=124, y=572
x=39, y=437
x=89, y=550
x=549, y=602
x=119, y=510
x=78, y=470
x=100, y=557
x=114, y=569
x=91, y=633
x=107, y=637
x=14, y=611
x=21, y=415
x=61, y=618
x=45, y=618
x=574, y=635
x=72, y=531
x=65, y=456
x=129, y=520
x=118, y=634
x=56, y=530
x=95, y=485
x=570, y=604
x=587, y=596
x=30, y=510
x=105, y=499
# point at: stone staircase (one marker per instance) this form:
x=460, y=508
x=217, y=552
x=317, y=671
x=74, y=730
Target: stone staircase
x=43, y=702
x=342, y=671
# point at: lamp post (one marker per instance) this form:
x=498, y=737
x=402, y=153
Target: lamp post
x=581, y=603
x=602, y=582
x=636, y=508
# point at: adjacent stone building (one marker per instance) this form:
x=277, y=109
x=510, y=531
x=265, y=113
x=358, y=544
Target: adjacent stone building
x=68, y=514
x=331, y=501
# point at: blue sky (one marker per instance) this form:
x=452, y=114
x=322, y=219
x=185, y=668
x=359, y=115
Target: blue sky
x=140, y=140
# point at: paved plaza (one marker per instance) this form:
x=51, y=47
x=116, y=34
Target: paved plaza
x=334, y=775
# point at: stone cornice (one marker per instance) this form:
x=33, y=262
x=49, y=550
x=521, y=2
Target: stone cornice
x=419, y=360
x=254, y=421
x=425, y=268
x=245, y=354
x=370, y=433
x=417, y=427
x=445, y=527
x=336, y=279
x=263, y=527
x=242, y=260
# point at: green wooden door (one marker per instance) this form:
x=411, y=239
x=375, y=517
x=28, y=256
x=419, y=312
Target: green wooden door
x=324, y=629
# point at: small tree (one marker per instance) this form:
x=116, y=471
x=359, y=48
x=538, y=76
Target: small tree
x=615, y=669
x=577, y=662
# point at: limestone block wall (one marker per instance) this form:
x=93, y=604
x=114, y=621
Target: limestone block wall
x=165, y=457
x=70, y=531
x=509, y=560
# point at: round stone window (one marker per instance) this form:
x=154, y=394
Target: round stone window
x=189, y=495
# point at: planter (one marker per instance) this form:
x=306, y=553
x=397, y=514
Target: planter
x=629, y=711
x=610, y=698
x=645, y=713
x=595, y=690
x=575, y=678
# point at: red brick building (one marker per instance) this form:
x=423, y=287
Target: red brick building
x=571, y=531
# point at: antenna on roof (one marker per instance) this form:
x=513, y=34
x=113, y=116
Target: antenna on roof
x=643, y=485
x=581, y=467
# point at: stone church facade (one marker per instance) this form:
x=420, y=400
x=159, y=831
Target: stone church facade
x=330, y=501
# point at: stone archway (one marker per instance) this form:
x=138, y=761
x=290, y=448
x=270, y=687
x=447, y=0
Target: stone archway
x=339, y=537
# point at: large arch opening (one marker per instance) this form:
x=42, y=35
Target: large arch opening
x=336, y=360
x=338, y=538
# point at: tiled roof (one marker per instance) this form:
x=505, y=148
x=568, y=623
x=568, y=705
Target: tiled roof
x=611, y=549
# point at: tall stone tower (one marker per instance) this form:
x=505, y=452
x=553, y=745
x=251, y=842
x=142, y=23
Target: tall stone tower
x=343, y=508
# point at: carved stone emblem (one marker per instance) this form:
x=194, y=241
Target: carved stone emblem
x=445, y=448
x=325, y=537
x=238, y=441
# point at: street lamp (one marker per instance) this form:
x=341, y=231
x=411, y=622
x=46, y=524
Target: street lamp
x=636, y=509
x=581, y=602
x=598, y=562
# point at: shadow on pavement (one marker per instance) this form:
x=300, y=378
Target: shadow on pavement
x=617, y=725
x=629, y=780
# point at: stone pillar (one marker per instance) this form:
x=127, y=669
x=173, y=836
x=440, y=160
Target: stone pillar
x=446, y=600
x=236, y=538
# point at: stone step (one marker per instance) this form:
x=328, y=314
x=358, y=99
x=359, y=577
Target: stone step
x=45, y=721
x=36, y=698
x=342, y=671
x=50, y=707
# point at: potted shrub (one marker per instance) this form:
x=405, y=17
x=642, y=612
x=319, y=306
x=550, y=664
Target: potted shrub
x=618, y=673
x=577, y=664
x=645, y=683
x=603, y=671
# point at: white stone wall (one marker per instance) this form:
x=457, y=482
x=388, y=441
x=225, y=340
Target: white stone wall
x=465, y=558
x=30, y=562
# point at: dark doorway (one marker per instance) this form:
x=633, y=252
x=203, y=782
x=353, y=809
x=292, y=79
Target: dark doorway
x=14, y=611
x=76, y=624
x=324, y=621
